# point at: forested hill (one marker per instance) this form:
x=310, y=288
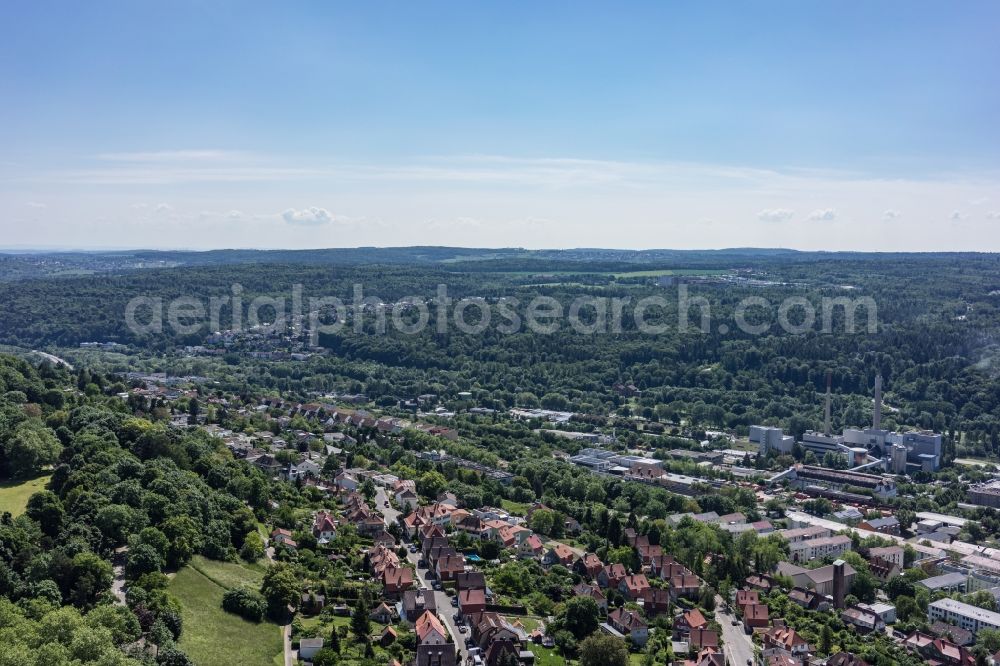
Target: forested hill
x=111, y=478
x=27, y=265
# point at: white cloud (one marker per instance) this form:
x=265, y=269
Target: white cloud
x=956, y=215
x=170, y=156
x=775, y=214
x=36, y=204
x=164, y=208
x=993, y=215
x=312, y=215
x=978, y=201
x=235, y=215
x=823, y=215
x=890, y=214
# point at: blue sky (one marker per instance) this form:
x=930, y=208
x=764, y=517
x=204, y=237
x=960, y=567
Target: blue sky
x=811, y=125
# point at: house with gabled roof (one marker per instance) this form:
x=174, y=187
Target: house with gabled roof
x=396, y=581
x=594, y=592
x=471, y=601
x=688, y=621
x=756, y=616
x=782, y=639
x=558, y=554
x=633, y=586
x=655, y=601
x=324, y=527
x=588, y=566
x=703, y=638
x=449, y=566
x=531, y=548
x=630, y=624
x=611, y=575
x=430, y=631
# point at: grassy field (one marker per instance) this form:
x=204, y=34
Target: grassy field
x=213, y=636
x=516, y=508
x=14, y=495
x=545, y=656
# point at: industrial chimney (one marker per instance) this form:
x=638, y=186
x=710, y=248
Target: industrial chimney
x=826, y=420
x=877, y=415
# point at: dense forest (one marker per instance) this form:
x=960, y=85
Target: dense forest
x=934, y=341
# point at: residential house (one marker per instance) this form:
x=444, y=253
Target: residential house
x=655, y=601
x=415, y=602
x=611, y=575
x=630, y=624
x=846, y=659
x=406, y=499
x=746, y=597
x=706, y=657
x=588, y=566
x=939, y=650
x=687, y=586
x=701, y=638
x=761, y=583
x=956, y=635
x=471, y=601
x=689, y=621
x=308, y=647
x=633, y=586
x=756, y=616
x=763, y=527
x=345, y=482
x=862, y=619
x=397, y=580
x=808, y=599
x=784, y=640
x=813, y=549
x=531, y=548
x=470, y=580
x=648, y=552
x=450, y=566
x=894, y=554
x=883, y=569
x=430, y=631
x=383, y=614
x=592, y=591
x=558, y=554
x=888, y=525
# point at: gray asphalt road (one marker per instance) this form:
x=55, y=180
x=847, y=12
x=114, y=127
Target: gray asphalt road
x=738, y=646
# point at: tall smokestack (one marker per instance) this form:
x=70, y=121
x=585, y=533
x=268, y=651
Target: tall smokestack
x=877, y=415
x=826, y=420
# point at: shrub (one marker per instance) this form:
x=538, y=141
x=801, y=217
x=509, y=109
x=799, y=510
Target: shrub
x=248, y=604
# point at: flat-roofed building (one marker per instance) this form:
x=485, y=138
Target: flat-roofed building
x=968, y=617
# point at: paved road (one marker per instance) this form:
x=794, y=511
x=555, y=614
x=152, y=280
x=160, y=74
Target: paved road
x=738, y=646
x=445, y=609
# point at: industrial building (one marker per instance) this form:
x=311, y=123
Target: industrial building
x=985, y=494
x=901, y=452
